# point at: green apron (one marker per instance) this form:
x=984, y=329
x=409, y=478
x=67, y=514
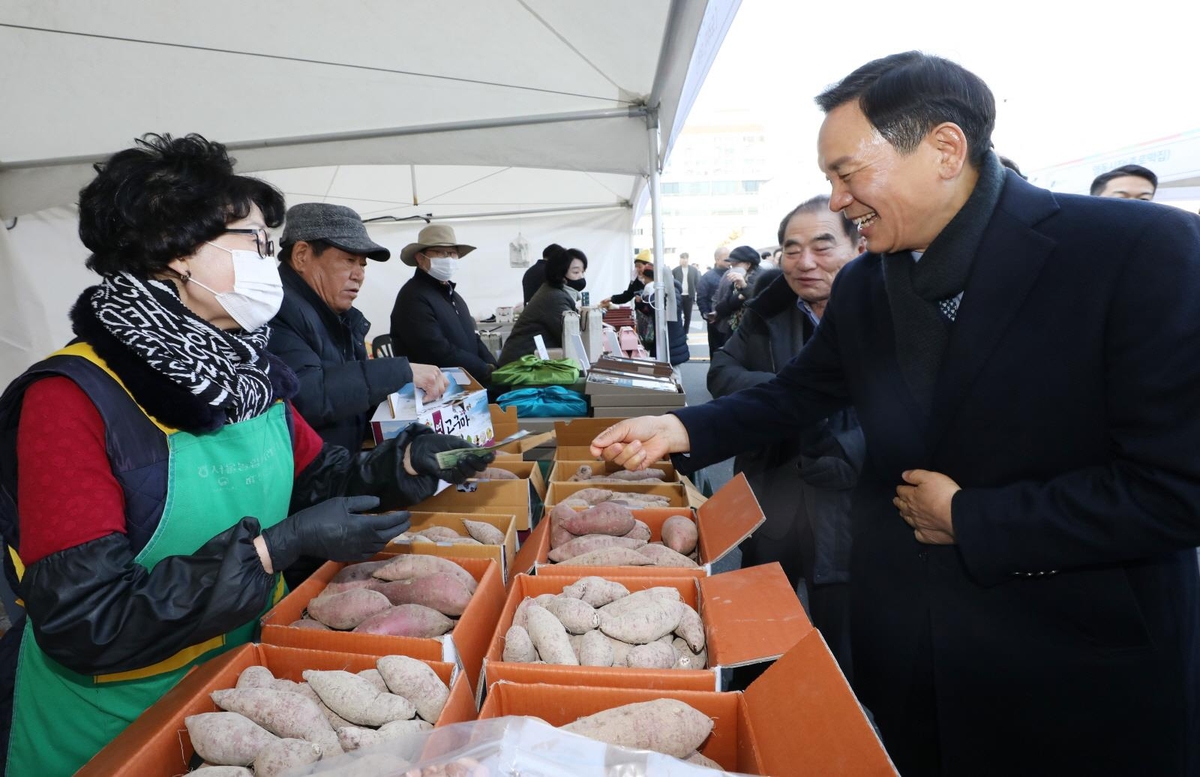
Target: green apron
x=61, y=718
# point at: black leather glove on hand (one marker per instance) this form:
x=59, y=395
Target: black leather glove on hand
x=335, y=530
x=423, y=451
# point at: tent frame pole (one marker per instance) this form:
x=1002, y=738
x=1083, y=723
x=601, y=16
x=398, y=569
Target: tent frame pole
x=662, y=344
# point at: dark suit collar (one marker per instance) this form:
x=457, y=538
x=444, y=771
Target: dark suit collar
x=1010, y=259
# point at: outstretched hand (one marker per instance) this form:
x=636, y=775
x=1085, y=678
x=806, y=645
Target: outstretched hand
x=924, y=504
x=636, y=443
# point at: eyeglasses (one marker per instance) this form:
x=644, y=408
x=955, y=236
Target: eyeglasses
x=262, y=241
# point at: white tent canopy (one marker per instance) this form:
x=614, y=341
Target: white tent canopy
x=534, y=111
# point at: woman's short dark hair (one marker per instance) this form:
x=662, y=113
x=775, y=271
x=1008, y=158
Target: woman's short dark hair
x=906, y=95
x=559, y=262
x=162, y=199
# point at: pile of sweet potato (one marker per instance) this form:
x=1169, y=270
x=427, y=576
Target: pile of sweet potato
x=665, y=726
x=275, y=724
x=597, y=622
x=590, y=497
x=478, y=533
x=405, y=596
x=645, y=476
x=608, y=535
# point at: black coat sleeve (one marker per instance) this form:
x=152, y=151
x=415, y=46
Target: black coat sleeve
x=377, y=472
x=95, y=611
x=634, y=287
x=330, y=393
x=730, y=371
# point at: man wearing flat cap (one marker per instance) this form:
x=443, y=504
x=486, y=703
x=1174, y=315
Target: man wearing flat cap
x=431, y=321
x=322, y=337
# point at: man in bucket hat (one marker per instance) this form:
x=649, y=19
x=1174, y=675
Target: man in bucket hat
x=431, y=321
x=321, y=335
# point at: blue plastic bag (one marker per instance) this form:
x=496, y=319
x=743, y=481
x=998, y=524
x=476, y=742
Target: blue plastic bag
x=544, y=402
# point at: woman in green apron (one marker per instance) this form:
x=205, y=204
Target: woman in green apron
x=154, y=478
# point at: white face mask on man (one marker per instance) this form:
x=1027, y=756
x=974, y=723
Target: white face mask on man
x=443, y=267
x=257, y=289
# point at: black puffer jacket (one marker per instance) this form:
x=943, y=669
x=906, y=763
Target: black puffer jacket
x=815, y=472
x=431, y=324
x=339, y=386
x=543, y=315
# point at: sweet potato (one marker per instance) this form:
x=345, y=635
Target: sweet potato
x=373, y=765
x=604, y=518
x=609, y=557
x=559, y=535
x=438, y=533
x=255, y=677
x=596, y=591
x=655, y=655
x=495, y=473
x=417, y=682
x=595, y=650
x=686, y=659
x=680, y=534
x=287, y=715
x=518, y=647
x=354, y=737
x=590, y=542
x=484, y=532
x=549, y=637
x=441, y=591
x=407, y=620
x=222, y=771
x=227, y=738
x=643, y=624
x=519, y=614
x=663, y=725
x=356, y=700
x=620, y=650
x=592, y=496
x=635, y=599
x=413, y=565
x=354, y=576
x=691, y=628
x=308, y=623
x=662, y=556
x=640, y=531
x=705, y=761
x=374, y=678
x=347, y=609
x=636, y=501
x=577, y=616
x=277, y=757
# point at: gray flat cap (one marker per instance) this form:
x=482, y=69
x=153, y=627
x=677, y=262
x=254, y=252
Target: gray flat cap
x=337, y=225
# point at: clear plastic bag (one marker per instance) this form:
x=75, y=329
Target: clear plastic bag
x=502, y=747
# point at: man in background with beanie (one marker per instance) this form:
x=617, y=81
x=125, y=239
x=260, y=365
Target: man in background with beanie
x=734, y=289
x=430, y=320
x=321, y=335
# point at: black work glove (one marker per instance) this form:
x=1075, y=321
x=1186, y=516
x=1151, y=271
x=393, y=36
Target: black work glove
x=335, y=530
x=423, y=451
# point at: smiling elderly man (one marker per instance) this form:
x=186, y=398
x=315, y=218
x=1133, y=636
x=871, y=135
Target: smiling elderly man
x=321, y=335
x=1023, y=364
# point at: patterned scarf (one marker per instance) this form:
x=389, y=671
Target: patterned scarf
x=223, y=369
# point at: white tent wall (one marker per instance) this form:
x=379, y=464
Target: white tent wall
x=36, y=293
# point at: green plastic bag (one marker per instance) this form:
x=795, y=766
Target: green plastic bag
x=529, y=370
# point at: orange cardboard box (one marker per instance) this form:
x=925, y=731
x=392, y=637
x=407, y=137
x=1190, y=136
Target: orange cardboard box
x=466, y=645
x=563, y=470
x=493, y=497
x=799, y=717
x=750, y=616
x=157, y=744
x=501, y=554
x=722, y=522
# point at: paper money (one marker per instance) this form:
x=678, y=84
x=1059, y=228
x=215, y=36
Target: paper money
x=451, y=458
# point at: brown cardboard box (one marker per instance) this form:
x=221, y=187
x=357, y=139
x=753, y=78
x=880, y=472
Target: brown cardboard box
x=157, y=744
x=722, y=522
x=494, y=497
x=799, y=717
x=501, y=554
x=562, y=471
x=466, y=644
x=525, y=470
x=750, y=616
x=575, y=436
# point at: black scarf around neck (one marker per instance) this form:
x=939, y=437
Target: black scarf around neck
x=915, y=288
x=181, y=369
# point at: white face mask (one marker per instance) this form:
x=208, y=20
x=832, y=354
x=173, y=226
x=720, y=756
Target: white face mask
x=257, y=289
x=442, y=267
